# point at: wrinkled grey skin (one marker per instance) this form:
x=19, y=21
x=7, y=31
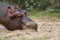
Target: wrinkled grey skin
x=14, y=24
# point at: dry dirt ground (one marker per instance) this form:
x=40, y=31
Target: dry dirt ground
x=46, y=31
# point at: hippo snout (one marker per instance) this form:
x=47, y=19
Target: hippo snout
x=32, y=25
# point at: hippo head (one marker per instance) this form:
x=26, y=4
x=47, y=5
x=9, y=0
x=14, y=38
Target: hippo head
x=22, y=15
x=27, y=21
x=14, y=11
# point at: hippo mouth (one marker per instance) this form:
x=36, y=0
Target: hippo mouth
x=29, y=23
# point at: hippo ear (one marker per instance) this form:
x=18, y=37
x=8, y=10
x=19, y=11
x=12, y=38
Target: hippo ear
x=9, y=7
x=9, y=10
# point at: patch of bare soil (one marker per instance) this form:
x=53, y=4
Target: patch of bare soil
x=46, y=31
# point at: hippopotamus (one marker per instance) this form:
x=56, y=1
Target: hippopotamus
x=17, y=22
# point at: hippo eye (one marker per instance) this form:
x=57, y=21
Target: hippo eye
x=19, y=15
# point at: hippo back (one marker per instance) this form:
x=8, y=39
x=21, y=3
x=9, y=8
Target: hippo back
x=3, y=8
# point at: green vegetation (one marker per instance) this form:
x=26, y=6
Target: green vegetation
x=47, y=15
x=35, y=4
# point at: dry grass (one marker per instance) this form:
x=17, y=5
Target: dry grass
x=46, y=31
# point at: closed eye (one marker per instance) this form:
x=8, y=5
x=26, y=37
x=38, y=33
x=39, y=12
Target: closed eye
x=19, y=15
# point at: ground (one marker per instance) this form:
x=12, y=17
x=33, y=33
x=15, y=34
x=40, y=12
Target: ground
x=46, y=31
